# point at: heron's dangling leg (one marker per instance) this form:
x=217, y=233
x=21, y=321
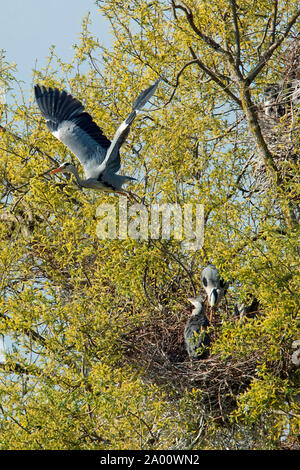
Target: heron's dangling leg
x=133, y=196
x=129, y=195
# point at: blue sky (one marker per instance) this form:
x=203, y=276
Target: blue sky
x=29, y=27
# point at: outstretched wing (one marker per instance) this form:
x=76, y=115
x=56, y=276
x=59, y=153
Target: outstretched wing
x=66, y=119
x=112, y=159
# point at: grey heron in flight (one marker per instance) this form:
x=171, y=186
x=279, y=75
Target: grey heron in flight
x=100, y=158
x=213, y=284
x=196, y=336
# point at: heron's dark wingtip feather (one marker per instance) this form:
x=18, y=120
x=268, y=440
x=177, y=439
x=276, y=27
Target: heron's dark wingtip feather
x=129, y=120
x=37, y=91
x=145, y=95
x=57, y=106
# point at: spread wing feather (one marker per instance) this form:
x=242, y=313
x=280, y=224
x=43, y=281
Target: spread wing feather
x=66, y=120
x=112, y=159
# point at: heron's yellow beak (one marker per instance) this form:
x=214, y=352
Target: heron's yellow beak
x=57, y=170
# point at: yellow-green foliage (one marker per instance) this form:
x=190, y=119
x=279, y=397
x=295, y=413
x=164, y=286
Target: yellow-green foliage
x=72, y=305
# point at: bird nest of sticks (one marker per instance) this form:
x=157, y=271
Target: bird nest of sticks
x=157, y=348
x=278, y=116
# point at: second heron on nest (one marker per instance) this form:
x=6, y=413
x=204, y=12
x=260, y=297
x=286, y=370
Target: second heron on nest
x=196, y=334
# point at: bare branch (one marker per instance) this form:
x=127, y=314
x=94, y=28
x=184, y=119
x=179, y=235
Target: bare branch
x=215, y=78
x=209, y=41
x=194, y=61
x=37, y=149
x=268, y=54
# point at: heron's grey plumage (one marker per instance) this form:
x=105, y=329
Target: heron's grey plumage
x=214, y=286
x=296, y=353
x=295, y=92
x=250, y=309
x=196, y=336
x=273, y=106
x=68, y=122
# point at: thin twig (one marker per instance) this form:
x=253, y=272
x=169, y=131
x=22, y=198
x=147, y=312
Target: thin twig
x=209, y=41
x=269, y=52
x=215, y=78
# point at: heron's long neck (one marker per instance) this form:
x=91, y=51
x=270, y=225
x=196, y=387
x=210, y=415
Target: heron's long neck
x=79, y=181
x=198, y=311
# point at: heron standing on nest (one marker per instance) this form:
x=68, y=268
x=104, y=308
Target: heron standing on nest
x=214, y=287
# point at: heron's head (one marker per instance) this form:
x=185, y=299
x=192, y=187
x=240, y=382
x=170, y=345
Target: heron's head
x=213, y=284
x=64, y=168
x=198, y=302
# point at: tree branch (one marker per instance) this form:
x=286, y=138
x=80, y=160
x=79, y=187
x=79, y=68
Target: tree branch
x=274, y=21
x=268, y=54
x=236, y=33
x=19, y=369
x=177, y=80
x=245, y=101
x=209, y=41
x=37, y=149
x=263, y=38
x=216, y=79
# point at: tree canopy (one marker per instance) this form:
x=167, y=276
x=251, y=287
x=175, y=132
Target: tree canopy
x=95, y=357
